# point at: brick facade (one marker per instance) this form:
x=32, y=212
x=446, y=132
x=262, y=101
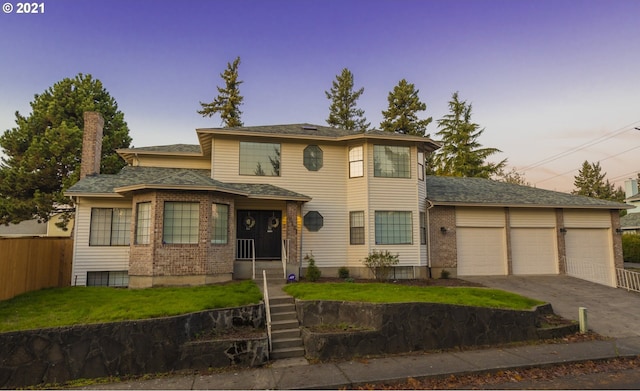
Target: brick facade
x=159, y=263
x=443, y=252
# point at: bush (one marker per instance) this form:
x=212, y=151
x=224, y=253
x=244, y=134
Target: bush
x=343, y=272
x=312, y=273
x=631, y=247
x=381, y=263
x=444, y=274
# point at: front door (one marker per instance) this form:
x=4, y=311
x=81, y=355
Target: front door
x=263, y=226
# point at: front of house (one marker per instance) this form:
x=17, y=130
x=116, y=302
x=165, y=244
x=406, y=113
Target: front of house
x=195, y=214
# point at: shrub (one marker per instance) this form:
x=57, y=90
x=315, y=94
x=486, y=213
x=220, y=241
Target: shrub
x=381, y=263
x=343, y=272
x=312, y=273
x=631, y=247
x=444, y=274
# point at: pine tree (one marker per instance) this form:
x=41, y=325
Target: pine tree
x=461, y=154
x=229, y=100
x=590, y=182
x=343, y=112
x=401, y=116
x=43, y=152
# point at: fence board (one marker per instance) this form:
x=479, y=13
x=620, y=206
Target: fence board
x=28, y=264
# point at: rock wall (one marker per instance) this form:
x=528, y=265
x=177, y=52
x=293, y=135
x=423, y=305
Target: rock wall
x=57, y=355
x=406, y=327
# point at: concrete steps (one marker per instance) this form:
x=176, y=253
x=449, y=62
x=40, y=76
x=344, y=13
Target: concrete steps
x=286, y=341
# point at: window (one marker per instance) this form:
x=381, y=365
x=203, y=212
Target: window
x=181, y=222
x=391, y=161
x=219, y=223
x=421, y=165
x=117, y=278
x=393, y=227
x=356, y=162
x=262, y=159
x=143, y=223
x=356, y=227
x=313, y=158
x=110, y=227
x=313, y=221
x=423, y=228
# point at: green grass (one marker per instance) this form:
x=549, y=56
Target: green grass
x=81, y=305
x=393, y=293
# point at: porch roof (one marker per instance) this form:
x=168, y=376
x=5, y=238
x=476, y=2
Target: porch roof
x=132, y=178
x=486, y=192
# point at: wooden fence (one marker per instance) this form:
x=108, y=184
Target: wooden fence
x=29, y=264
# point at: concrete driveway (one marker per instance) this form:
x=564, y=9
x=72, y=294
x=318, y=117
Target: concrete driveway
x=611, y=312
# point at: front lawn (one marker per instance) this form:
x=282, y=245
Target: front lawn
x=394, y=293
x=81, y=305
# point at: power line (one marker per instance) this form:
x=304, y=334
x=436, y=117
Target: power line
x=579, y=147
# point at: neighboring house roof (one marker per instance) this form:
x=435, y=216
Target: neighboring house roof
x=630, y=221
x=486, y=192
x=634, y=198
x=132, y=178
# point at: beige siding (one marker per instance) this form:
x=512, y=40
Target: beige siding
x=580, y=218
x=480, y=217
x=88, y=258
x=172, y=162
x=358, y=200
x=532, y=218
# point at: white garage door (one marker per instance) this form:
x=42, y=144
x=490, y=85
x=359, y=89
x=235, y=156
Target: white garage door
x=589, y=254
x=534, y=248
x=534, y=251
x=481, y=241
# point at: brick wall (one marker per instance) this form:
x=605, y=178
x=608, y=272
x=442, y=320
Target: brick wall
x=443, y=245
x=91, y=144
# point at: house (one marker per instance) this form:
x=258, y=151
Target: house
x=630, y=223
x=30, y=228
x=484, y=227
x=197, y=214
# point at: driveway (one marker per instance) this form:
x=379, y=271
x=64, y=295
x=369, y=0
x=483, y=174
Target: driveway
x=611, y=312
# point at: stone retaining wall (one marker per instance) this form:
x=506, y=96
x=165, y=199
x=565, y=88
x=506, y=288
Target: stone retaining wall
x=406, y=327
x=57, y=355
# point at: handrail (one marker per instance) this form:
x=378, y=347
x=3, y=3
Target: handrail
x=285, y=257
x=267, y=307
x=628, y=280
x=246, y=249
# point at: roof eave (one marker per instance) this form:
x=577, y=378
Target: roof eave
x=502, y=205
x=144, y=186
x=90, y=194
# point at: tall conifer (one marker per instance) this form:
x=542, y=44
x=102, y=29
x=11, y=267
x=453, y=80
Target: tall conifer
x=343, y=112
x=229, y=100
x=401, y=115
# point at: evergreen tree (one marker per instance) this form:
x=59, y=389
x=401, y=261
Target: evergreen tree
x=590, y=182
x=513, y=176
x=401, y=116
x=343, y=112
x=43, y=152
x=461, y=154
x=229, y=100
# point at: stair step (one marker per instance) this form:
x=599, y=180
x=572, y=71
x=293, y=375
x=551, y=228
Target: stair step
x=277, y=300
x=280, y=308
x=286, y=343
x=278, y=354
x=284, y=316
x=285, y=334
x=285, y=324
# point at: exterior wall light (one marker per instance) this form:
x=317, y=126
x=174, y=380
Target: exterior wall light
x=443, y=230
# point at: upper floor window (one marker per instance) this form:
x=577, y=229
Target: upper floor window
x=143, y=223
x=110, y=227
x=421, y=165
x=356, y=162
x=391, y=161
x=181, y=222
x=313, y=158
x=261, y=159
x=219, y=223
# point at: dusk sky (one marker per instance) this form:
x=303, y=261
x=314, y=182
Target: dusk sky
x=554, y=83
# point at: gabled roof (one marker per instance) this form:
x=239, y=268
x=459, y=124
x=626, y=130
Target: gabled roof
x=132, y=178
x=187, y=150
x=486, y=192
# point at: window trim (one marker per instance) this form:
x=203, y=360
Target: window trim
x=314, y=163
x=356, y=161
x=357, y=233
x=421, y=164
x=146, y=236
x=125, y=225
x=423, y=228
x=253, y=146
x=216, y=234
x=404, y=173
x=191, y=239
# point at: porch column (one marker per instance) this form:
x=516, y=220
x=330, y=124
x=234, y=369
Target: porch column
x=294, y=209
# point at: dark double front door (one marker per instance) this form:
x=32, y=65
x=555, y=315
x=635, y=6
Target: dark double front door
x=265, y=228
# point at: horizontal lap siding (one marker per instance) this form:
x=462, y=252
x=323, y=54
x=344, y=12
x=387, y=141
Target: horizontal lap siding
x=581, y=218
x=95, y=258
x=172, y=162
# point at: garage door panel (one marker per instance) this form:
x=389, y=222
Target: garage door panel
x=481, y=251
x=589, y=255
x=534, y=251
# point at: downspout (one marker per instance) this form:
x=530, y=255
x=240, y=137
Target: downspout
x=429, y=206
x=74, y=278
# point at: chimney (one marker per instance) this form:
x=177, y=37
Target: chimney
x=91, y=144
x=630, y=188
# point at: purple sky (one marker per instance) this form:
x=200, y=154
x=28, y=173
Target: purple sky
x=544, y=77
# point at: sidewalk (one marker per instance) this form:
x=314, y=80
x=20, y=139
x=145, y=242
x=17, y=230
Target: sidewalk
x=300, y=375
